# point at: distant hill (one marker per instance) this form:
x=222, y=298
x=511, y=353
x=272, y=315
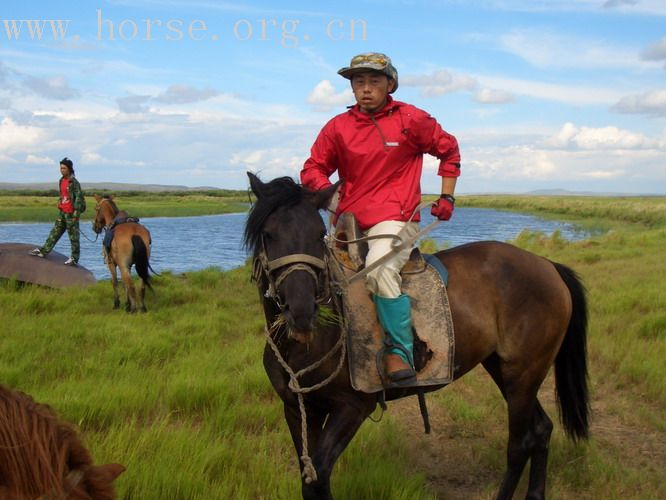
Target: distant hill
x=565, y=192
x=108, y=186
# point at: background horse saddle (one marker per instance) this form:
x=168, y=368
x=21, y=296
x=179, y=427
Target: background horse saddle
x=431, y=317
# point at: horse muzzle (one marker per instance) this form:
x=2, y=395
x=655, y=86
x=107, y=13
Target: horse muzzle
x=300, y=325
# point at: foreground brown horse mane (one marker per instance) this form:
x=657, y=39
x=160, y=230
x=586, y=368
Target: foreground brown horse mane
x=514, y=312
x=130, y=247
x=43, y=457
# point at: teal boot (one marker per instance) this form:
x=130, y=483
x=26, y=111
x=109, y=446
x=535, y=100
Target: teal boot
x=395, y=316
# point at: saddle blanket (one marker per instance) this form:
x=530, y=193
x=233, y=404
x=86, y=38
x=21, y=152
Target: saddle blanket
x=431, y=317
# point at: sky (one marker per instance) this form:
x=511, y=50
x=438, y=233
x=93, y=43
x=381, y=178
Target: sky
x=541, y=94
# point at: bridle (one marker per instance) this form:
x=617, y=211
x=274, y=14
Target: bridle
x=314, y=266
x=98, y=207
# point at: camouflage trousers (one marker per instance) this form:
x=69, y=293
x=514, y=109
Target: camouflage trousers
x=64, y=222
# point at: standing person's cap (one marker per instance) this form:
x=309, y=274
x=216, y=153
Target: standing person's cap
x=371, y=61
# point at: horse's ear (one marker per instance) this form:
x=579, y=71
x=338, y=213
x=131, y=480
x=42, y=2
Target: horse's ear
x=97, y=197
x=322, y=199
x=255, y=184
x=109, y=471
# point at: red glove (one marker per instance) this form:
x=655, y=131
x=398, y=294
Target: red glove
x=444, y=208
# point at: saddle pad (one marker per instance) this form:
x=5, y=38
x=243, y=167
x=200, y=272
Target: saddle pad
x=431, y=317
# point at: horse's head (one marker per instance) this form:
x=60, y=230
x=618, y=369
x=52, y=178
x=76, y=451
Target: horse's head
x=105, y=211
x=285, y=233
x=44, y=457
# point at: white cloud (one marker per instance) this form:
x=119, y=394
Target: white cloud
x=547, y=49
x=571, y=94
x=18, y=138
x=493, y=96
x=39, y=160
x=52, y=88
x=181, y=94
x=655, y=51
x=648, y=103
x=601, y=139
x=324, y=97
x=439, y=83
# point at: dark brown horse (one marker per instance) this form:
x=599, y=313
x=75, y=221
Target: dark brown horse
x=130, y=247
x=514, y=312
x=43, y=457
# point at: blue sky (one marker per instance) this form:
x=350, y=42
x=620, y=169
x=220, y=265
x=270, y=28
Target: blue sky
x=542, y=94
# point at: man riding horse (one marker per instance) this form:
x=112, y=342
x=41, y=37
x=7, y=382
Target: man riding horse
x=377, y=148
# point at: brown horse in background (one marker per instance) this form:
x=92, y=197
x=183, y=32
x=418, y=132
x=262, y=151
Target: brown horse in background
x=130, y=246
x=43, y=457
x=514, y=312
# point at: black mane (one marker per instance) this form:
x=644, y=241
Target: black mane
x=280, y=192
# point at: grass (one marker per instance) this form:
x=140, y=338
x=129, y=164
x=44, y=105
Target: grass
x=42, y=207
x=179, y=395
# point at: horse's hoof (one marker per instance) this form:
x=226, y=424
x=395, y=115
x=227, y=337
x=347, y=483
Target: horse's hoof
x=116, y=304
x=144, y=310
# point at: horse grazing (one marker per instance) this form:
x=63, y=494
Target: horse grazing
x=43, y=457
x=130, y=246
x=514, y=312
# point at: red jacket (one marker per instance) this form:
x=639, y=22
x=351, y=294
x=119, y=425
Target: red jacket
x=380, y=159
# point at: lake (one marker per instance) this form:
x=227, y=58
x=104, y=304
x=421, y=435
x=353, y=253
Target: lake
x=183, y=244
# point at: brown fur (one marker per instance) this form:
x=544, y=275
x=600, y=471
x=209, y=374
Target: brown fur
x=123, y=254
x=38, y=452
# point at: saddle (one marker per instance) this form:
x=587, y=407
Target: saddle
x=121, y=218
x=425, y=284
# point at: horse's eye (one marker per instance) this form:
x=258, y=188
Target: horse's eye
x=322, y=235
x=267, y=236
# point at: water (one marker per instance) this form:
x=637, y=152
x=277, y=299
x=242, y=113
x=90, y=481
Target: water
x=183, y=244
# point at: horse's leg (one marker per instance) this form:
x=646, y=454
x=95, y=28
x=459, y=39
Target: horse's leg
x=325, y=442
x=126, y=275
x=114, y=282
x=341, y=426
x=542, y=427
x=521, y=406
x=529, y=431
x=315, y=424
x=141, y=297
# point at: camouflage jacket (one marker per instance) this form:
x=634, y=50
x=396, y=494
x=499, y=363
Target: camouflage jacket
x=75, y=194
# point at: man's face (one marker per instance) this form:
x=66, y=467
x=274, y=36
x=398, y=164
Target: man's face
x=370, y=90
x=64, y=170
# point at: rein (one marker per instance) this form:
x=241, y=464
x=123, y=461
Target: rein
x=300, y=262
x=397, y=245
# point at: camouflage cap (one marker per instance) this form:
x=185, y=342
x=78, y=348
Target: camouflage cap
x=371, y=61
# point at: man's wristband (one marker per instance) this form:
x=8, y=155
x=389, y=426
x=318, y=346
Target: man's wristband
x=448, y=198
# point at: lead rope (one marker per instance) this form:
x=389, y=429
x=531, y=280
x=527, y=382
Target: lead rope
x=309, y=471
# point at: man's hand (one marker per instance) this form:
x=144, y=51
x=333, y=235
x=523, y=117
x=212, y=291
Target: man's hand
x=444, y=208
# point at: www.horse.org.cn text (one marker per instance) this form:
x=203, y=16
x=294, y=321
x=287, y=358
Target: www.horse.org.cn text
x=285, y=32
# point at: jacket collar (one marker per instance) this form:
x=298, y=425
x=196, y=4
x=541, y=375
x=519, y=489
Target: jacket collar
x=390, y=105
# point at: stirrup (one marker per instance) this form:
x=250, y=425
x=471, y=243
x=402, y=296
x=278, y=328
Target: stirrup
x=399, y=377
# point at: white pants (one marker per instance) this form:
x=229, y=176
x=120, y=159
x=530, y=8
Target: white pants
x=385, y=279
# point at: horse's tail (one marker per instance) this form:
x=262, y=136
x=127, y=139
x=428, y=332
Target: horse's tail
x=571, y=379
x=141, y=259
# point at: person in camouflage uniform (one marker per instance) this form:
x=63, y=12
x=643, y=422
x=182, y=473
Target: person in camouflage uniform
x=70, y=206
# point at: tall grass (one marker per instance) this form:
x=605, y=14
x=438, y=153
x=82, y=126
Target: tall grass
x=180, y=397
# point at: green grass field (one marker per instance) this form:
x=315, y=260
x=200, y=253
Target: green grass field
x=180, y=397
x=42, y=206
